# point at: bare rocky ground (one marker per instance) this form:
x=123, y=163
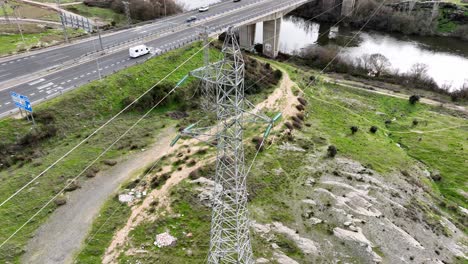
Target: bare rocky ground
x=369, y=219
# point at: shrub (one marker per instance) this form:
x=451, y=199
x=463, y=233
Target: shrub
x=414, y=99
x=278, y=74
x=373, y=129
x=415, y=122
x=332, y=151
x=289, y=125
x=110, y=162
x=193, y=175
x=300, y=116
x=300, y=107
x=296, y=119
x=297, y=125
x=354, y=129
x=302, y=101
x=60, y=201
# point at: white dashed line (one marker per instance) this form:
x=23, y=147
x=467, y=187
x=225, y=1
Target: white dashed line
x=68, y=81
x=32, y=94
x=62, y=83
x=36, y=81
x=45, y=86
x=7, y=103
x=76, y=78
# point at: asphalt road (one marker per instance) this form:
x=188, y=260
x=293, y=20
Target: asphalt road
x=167, y=34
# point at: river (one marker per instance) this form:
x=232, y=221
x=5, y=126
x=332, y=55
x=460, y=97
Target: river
x=446, y=58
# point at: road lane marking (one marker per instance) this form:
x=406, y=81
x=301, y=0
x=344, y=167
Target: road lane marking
x=32, y=94
x=45, y=86
x=7, y=103
x=60, y=58
x=37, y=81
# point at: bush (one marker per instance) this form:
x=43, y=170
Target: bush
x=289, y=125
x=332, y=151
x=354, y=129
x=297, y=125
x=302, y=101
x=373, y=129
x=300, y=107
x=414, y=99
x=415, y=122
x=278, y=74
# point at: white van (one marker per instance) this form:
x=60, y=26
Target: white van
x=138, y=51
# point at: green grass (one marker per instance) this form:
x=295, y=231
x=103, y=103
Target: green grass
x=104, y=14
x=274, y=196
x=113, y=215
x=444, y=24
x=76, y=114
x=458, y=2
x=11, y=43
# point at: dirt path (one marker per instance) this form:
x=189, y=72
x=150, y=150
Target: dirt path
x=281, y=99
x=62, y=235
x=377, y=90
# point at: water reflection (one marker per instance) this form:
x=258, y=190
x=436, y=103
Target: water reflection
x=446, y=68
x=446, y=58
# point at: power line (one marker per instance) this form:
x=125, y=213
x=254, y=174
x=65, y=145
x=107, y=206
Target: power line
x=120, y=208
x=100, y=128
x=359, y=31
x=91, y=164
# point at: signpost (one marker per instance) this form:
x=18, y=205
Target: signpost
x=23, y=103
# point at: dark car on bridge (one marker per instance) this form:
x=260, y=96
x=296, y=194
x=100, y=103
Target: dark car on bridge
x=191, y=19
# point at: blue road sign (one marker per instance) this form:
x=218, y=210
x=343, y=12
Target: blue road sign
x=21, y=101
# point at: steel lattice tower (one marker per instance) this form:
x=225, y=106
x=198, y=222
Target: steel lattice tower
x=230, y=238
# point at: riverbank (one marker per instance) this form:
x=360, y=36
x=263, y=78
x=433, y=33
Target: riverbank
x=422, y=18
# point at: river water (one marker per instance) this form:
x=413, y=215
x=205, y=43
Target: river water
x=446, y=58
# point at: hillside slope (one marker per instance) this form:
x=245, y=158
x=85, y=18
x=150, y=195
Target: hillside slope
x=395, y=195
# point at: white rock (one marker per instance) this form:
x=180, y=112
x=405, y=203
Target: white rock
x=281, y=258
x=165, y=240
x=125, y=198
x=309, y=201
x=262, y=261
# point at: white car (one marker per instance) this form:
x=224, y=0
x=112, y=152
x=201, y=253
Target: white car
x=138, y=51
x=203, y=9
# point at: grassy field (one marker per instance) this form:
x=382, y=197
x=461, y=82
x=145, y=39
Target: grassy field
x=34, y=12
x=59, y=130
x=415, y=134
x=34, y=37
x=104, y=14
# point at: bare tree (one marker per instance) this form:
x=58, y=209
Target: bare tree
x=379, y=63
x=364, y=62
x=419, y=71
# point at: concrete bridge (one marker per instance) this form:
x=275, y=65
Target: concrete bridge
x=272, y=20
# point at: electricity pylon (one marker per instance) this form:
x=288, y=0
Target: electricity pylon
x=127, y=12
x=3, y=3
x=229, y=236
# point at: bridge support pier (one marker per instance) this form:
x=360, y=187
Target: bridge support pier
x=271, y=31
x=247, y=36
x=347, y=7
